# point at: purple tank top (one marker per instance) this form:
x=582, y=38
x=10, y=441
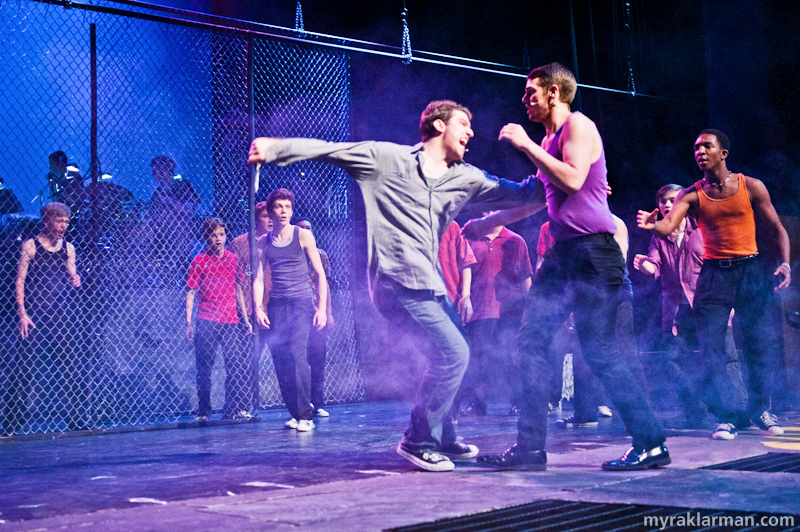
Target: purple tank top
x=585, y=212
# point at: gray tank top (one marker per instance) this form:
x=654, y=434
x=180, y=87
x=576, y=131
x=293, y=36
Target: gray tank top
x=289, y=267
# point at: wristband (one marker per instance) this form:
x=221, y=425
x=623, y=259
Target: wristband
x=788, y=266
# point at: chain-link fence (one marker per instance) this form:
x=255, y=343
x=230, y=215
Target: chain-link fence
x=143, y=123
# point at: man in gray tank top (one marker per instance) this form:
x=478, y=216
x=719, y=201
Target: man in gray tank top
x=288, y=250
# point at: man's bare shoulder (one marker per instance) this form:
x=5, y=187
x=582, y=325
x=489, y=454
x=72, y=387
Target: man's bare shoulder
x=688, y=194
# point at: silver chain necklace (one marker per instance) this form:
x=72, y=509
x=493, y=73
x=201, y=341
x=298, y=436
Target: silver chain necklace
x=718, y=185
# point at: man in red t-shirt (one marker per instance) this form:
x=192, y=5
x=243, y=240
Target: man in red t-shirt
x=456, y=260
x=500, y=279
x=213, y=280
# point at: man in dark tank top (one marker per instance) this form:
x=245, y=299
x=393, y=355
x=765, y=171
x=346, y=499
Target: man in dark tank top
x=46, y=273
x=288, y=250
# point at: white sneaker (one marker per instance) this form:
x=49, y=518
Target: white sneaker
x=768, y=424
x=604, y=411
x=305, y=425
x=725, y=431
x=291, y=424
x=322, y=413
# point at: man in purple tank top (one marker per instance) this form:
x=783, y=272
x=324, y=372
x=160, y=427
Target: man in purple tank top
x=582, y=274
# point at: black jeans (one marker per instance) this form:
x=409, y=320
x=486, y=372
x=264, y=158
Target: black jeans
x=208, y=336
x=747, y=288
x=582, y=275
x=290, y=322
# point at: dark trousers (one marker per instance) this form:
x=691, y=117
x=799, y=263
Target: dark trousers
x=208, y=336
x=434, y=324
x=493, y=363
x=287, y=337
x=685, y=368
x=53, y=338
x=582, y=275
x=317, y=347
x=747, y=288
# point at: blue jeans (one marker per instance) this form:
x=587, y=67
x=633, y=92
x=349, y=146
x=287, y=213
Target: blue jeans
x=582, y=275
x=290, y=322
x=437, y=330
x=747, y=288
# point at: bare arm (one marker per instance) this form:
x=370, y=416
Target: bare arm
x=189, y=307
x=72, y=272
x=258, y=290
x=762, y=205
x=621, y=236
x=647, y=220
x=479, y=227
x=580, y=145
x=309, y=245
x=243, y=308
x=464, y=303
x=26, y=254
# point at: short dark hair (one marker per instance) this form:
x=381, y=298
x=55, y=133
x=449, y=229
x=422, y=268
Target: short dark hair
x=163, y=160
x=666, y=189
x=54, y=209
x=722, y=138
x=558, y=75
x=261, y=207
x=304, y=219
x=60, y=155
x=279, y=194
x=438, y=110
x=210, y=225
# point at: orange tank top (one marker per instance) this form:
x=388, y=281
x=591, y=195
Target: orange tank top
x=728, y=225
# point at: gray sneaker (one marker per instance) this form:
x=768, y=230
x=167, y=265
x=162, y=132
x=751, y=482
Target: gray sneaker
x=426, y=459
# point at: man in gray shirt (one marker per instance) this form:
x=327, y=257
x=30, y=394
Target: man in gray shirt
x=411, y=194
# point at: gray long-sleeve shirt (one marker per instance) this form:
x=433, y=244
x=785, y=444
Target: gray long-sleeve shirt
x=406, y=216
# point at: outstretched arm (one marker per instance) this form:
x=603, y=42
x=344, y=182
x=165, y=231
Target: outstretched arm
x=649, y=220
x=359, y=159
x=478, y=227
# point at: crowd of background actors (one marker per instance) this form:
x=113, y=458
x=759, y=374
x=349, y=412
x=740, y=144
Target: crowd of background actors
x=219, y=280
x=487, y=278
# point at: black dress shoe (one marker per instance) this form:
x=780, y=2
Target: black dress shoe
x=634, y=460
x=516, y=459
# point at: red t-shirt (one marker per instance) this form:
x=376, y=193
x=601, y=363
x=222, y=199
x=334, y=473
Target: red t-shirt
x=214, y=278
x=454, y=255
x=545, y=240
x=503, y=265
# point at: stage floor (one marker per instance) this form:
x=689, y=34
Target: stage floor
x=346, y=475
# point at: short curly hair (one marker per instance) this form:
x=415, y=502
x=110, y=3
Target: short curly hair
x=438, y=110
x=279, y=194
x=558, y=75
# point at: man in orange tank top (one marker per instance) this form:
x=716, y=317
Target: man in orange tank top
x=732, y=276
